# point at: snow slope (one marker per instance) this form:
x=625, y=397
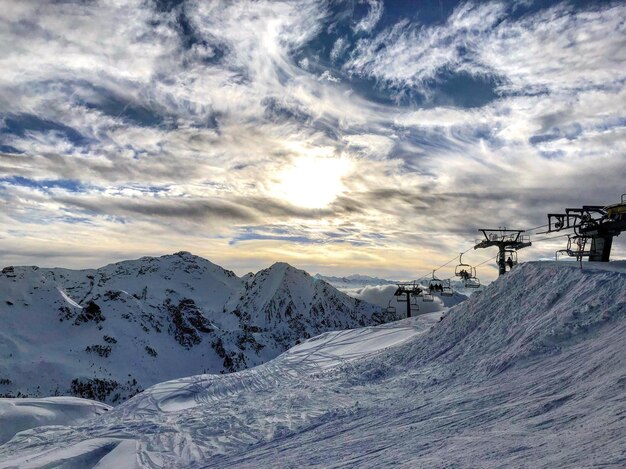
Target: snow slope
x=108, y=333
x=531, y=372
x=17, y=415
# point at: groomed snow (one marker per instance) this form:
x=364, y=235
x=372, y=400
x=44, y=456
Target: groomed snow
x=17, y=415
x=529, y=372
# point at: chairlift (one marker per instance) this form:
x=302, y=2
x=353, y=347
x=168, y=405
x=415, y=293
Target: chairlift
x=391, y=309
x=577, y=246
x=446, y=288
x=435, y=284
x=505, y=256
x=427, y=297
x=472, y=281
x=463, y=270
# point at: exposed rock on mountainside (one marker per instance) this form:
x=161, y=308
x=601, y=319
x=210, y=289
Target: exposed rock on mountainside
x=108, y=333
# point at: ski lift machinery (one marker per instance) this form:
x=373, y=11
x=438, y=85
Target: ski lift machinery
x=407, y=292
x=594, y=228
x=507, y=242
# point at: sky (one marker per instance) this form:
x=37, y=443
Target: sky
x=343, y=137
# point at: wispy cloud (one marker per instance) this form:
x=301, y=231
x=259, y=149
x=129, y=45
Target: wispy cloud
x=178, y=122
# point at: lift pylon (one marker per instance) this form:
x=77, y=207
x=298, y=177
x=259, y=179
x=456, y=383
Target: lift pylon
x=507, y=242
x=409, y=289
x=594, y=228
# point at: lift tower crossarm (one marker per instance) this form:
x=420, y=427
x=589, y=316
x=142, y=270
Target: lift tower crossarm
x=505, y=240
x=408, y=289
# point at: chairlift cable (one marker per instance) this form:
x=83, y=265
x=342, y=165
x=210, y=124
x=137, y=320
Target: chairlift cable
x=482, y=263
x=443, y=265
x=537, y=227
x=547, y=239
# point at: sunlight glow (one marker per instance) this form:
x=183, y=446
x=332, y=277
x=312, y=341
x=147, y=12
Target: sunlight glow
x=313, y=182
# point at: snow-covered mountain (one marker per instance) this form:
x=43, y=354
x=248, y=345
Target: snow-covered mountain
x=108, y=333
x=528, y=373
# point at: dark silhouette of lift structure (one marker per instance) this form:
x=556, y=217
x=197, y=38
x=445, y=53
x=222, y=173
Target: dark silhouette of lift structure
x=405, y=291
x=508, y=243
x=593, y=229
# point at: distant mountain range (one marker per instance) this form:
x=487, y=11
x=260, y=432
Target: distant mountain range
x=355, y=284
x=108, y=333
x=355, y=280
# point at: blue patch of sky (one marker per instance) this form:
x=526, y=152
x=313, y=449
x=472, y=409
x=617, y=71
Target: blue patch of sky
x=259, y=237
x=460, y=89
x=552, y=155
x=449, y=87
x=75, y=220
x=521, y=9
x=188, y=35
x=275, y=233
x=570, y=132
x=45, y=184
x=19, y=124
x=9, y=149
x=109, y=104
x=276, y=111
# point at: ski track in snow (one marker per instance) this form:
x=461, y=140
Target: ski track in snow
x=68, y=299
x=531, y=372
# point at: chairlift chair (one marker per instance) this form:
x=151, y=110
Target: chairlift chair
x=391, y=309
x=435, y=282
x=508, y=254
x=463, y=270
x=447, y=289
x=472, y=282
x=427, y=297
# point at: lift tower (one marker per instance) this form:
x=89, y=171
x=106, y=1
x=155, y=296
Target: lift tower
x=508, y=243
x=407, y=289
x=594, y=228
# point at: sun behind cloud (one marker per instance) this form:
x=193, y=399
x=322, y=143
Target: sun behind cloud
x=313, y=182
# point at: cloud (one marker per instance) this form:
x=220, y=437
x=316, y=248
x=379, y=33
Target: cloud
x=375, y=12
x=409, y=54
x=178, y=122
x=383, y=296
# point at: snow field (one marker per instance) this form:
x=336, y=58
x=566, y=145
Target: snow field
x=530, y=372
